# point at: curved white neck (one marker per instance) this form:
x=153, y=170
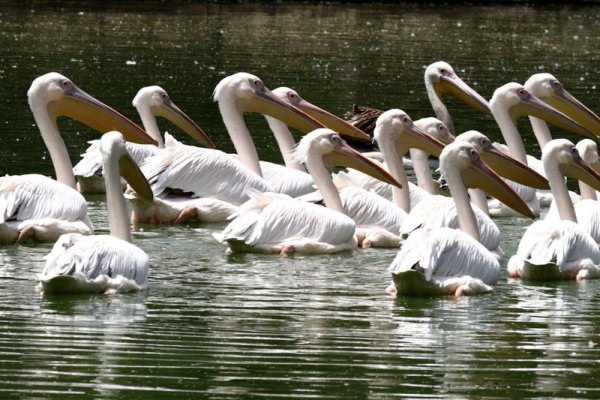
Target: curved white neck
x=420, y=161
x=150, y=126
x=540, y=130
x=323, y=181
x=55, y=145
x=285, y=141
x=393, y=160
x=466, y=215
x=439, y=108
x=558, y=186
x=587, y=192
x=479, y=198
x=117, y=207
x=511, y=135
x=239, y=134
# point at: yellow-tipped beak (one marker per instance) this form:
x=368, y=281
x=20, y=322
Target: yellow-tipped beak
x=265, y=102
x=134, y=177
x=452, y=84
x=533, y=106
x=566, y=103
x=86, y=109
x=479, y=175
x=513, y=169
x=331, y=121
x=346, y=156
x=580, y=170
x=413, y=137
x=174, y=114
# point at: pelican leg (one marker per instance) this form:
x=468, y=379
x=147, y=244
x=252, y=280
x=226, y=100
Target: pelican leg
x=287, y=250
x=188, y=213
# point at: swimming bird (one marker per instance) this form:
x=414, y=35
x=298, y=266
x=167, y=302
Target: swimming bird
x=276, y=223
x=508, y=103
x=207, y=185
x=550, y=90
x=151, y=102
x=440, y=80
x=441, y=211
x=34, y=207
x=230, y=91
x=102, y=263
x=586, y=205
x=447, y=261
x=551, y=249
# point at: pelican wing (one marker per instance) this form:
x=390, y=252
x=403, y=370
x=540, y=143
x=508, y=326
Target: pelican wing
x=96, y=257
x=443, y=252
x=440, y=211
x=91, y=161
x=35, y=196
x=563, y=243
x=368, y=209
x=202, y=172
x=287, y=220
x=287, y=180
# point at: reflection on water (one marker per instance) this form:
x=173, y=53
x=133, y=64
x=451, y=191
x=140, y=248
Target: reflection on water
x=220, y=326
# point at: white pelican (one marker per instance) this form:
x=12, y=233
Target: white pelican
x=508, y=103
x=232, y=94
x=275, y=223
x=440, y=80
x=549, y=89
x=550, y=249
x=102, y=263
x=150, y=102
x=440, y=211
x=378, y=220
x=450, y=261
x=207, y=185
x=426, y=186
x=37, y=208
x=586, y=205
x=297, y=182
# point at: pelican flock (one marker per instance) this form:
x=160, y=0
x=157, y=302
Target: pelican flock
x=325, y=196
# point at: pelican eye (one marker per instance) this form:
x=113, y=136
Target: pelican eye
x=558, y=87
x=523, y=94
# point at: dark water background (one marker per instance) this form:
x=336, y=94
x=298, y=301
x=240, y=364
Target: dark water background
x=213, y=326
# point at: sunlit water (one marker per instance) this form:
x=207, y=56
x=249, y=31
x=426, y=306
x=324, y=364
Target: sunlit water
x=217, y=326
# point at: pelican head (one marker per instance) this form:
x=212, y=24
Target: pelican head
x=435, y=128
x=397, y=129
x=588, y=150
x=502, y=163
x=549, y=89
x=325, y=117
x=112, y=146
x=249, y=94
x=570, y=162
x=157, y=101
x=327, y=145
x=442, y=78
x=55, y=95
x=517, y=101
x=463, y=156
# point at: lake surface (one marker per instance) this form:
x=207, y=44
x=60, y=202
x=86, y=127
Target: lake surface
x=217, y=326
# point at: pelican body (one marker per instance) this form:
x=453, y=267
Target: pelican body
x=102, y=263
x=551, y=249
x=34, y=207
x=447, y=261
x=151, y=102
x=276, y=223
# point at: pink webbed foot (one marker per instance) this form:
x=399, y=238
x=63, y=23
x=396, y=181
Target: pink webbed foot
x=287, y=250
